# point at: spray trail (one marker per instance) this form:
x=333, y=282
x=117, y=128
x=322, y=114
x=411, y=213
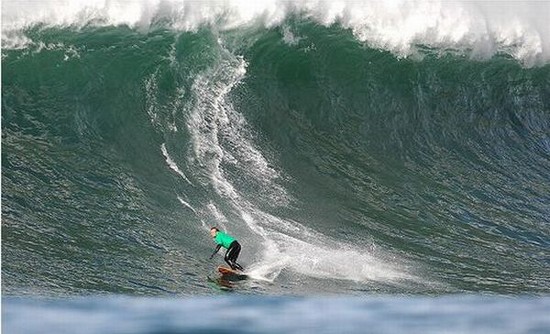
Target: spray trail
x=221, y=140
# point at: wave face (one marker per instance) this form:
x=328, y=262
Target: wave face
x=345, y=156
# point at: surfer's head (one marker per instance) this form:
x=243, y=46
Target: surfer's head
x=213, y=231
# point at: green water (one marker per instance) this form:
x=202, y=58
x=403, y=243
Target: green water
x=340, y=167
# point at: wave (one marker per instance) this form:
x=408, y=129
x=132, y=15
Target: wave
x=340, y=166
x=478, y=28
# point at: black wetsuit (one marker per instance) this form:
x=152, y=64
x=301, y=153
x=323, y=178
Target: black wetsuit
x=232, y=254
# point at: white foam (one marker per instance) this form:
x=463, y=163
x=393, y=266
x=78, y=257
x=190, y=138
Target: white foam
x=289, y=37
x=186, y=204
x=519, y=28
x=221, y=134
x=290, y=245
x=217, y=213
x=219, y=217
x=203, y=124
x=172, y=164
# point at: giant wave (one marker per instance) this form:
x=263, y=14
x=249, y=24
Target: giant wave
x=351, y=146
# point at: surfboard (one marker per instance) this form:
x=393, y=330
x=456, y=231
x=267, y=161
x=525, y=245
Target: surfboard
x=231, y=274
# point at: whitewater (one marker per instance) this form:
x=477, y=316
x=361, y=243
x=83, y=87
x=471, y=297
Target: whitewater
x=482, y=27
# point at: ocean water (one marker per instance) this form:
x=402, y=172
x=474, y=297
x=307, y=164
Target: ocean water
x=385, y=151
x=246, y=314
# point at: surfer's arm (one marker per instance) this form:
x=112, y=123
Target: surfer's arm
x=217, y=249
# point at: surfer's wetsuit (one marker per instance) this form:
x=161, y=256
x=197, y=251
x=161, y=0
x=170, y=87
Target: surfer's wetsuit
x=233, y=249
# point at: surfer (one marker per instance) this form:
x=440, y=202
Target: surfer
x=233, y=247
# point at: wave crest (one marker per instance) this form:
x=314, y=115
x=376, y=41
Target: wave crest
x=481, y=28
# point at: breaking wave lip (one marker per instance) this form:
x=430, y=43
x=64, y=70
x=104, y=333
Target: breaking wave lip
x=479, y=28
